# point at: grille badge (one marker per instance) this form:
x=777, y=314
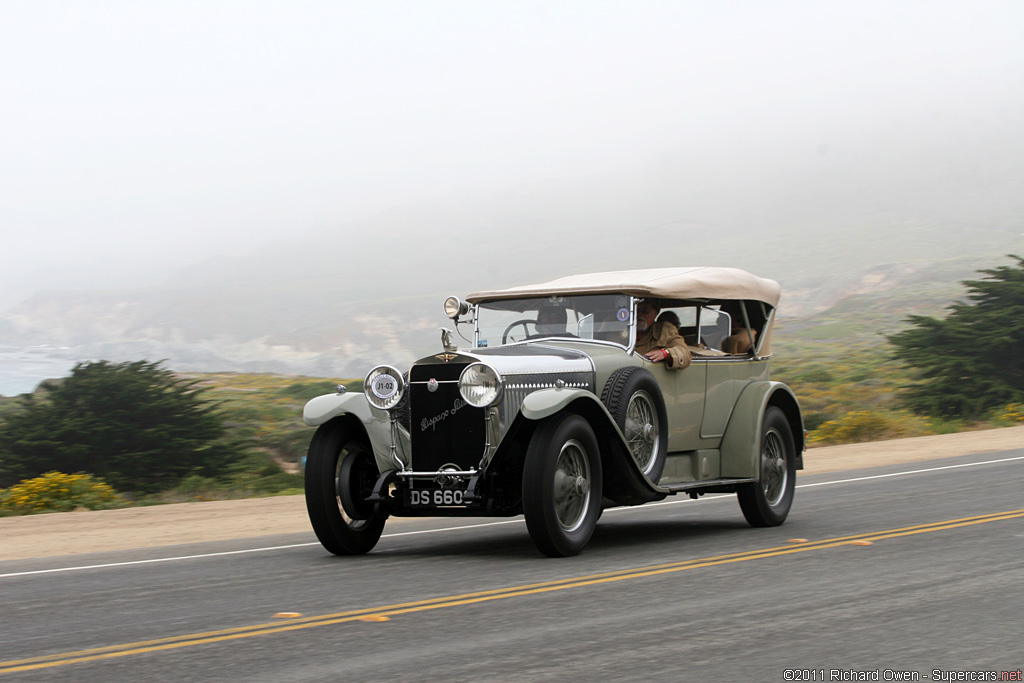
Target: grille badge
x=446, y=356
x=432, y=385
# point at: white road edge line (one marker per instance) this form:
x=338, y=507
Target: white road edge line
x=484, y=524
x=898, y=474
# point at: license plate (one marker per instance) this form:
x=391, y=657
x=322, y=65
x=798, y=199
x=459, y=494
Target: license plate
x=434, y=498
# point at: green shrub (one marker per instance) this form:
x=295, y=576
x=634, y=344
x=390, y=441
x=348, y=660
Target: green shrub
x=814, y=420
x=136, y=425
x=277, y=483
x=816, y=375
x=292, y=442
x=305, y=391
x=270, y=469
x=59, y=492
x=197, y=487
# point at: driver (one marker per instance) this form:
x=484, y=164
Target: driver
x=551, y=320
x=660, y=341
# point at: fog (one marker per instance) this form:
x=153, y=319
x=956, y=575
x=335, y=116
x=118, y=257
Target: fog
x=141, y=137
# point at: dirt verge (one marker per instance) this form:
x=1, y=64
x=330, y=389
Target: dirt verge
x=84, y=532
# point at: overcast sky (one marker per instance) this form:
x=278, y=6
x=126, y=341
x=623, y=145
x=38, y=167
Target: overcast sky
x=184, y=127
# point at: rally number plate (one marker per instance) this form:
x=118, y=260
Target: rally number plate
x=432, y=498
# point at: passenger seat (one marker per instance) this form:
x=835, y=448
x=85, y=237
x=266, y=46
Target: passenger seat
x=739, y=343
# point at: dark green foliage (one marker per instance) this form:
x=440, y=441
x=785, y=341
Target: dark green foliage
x=276, y=483
x=136, y=425
x=813, y=420
x=972, y=360
x=291, y=444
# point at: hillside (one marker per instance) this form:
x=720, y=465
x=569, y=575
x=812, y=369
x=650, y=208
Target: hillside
x=333, y=332
x=331, y=326
x=855, y=253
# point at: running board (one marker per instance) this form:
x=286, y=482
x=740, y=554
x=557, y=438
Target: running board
x=706, y=484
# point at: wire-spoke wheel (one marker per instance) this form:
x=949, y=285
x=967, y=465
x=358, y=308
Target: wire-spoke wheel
x=634, y=400
x=767, y=501
x=641, y=430
x=562, y=485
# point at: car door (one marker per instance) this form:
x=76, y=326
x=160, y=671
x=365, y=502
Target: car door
x=726, y=378
x=727, y=375
x=683, y=391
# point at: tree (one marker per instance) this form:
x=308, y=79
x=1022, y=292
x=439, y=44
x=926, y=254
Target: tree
x=136, y=425
x=971, y=361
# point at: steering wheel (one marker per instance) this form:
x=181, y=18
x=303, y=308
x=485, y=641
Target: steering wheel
x=526, y=331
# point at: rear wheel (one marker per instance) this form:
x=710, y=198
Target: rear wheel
x=767, y=502
x=340, y=474
x=562, y=485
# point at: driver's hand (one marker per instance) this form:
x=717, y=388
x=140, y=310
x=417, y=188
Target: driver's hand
x=656, y=355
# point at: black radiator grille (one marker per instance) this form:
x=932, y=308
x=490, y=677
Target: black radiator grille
x=445, y=430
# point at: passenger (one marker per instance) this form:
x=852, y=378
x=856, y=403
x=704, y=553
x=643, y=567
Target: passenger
x=741, y=341
x=669, y=317
x=660, y=341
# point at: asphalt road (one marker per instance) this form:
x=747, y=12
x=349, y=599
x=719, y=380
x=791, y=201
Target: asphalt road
x=909, y=568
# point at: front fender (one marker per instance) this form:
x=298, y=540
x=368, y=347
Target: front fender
x=624, y=482
x=376, y=424
x=322, y=408
x=546, y=402
x=741, y=443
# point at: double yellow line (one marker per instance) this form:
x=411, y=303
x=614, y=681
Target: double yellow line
x=385, y=612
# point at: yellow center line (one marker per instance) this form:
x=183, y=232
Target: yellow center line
x=207, y=637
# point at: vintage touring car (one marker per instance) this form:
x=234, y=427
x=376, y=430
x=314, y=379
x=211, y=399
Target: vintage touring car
x=551, y=411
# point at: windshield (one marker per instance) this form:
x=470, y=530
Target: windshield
x=605, y=317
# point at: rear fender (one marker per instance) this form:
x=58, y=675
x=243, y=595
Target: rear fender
x=741, y=444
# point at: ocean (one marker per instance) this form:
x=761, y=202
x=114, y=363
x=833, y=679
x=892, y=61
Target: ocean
x=22, y=371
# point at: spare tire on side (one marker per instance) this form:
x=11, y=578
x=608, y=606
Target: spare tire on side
x=634, y=400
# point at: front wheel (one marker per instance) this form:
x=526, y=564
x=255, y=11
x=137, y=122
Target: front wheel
x=767, y=501
x=562, y=485
x=340, y=474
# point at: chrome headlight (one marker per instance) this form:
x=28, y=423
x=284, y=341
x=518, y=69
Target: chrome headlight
x=384, y=387
x=480, y=385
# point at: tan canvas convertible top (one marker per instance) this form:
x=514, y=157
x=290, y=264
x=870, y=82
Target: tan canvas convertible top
x=667, y=283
